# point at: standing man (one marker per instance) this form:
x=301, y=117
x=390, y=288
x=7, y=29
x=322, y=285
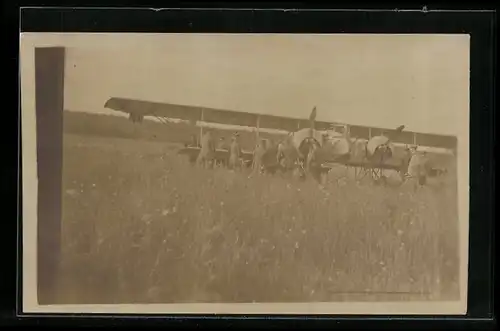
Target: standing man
x=234, y=152
x=221, y=145
x=207, y=152
x=257, y=156
x=285, y=154
x=192, y=143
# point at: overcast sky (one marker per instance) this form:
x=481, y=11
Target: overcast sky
x=377, y=80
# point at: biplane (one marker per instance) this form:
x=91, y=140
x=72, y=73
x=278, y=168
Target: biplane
x=317, y=146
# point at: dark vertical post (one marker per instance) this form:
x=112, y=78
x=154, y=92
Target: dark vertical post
x=49, y=80
x=201, y=125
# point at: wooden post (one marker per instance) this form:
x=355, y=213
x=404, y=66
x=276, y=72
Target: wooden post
x=49, y=95
x=414, y=138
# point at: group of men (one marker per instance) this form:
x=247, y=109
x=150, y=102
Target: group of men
x=208, y=148
x=268, y=157
x=266, y=153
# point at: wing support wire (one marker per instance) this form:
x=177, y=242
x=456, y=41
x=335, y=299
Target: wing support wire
x=161, y=119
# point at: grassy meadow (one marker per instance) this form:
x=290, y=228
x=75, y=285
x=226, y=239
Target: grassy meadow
x=141, y=225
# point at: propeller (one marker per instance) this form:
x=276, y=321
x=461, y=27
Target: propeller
x=312, y=121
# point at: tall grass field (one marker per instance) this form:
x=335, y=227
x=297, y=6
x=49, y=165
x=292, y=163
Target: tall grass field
x=141, y=225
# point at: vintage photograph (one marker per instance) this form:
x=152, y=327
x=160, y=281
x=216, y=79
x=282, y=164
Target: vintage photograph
x=263, y=170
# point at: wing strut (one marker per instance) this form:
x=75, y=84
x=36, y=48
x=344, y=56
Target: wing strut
x=201, y=124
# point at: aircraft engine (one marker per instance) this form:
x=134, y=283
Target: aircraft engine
x=379, y=148
x=339, y=146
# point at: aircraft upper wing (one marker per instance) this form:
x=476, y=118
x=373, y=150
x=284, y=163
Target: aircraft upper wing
x=195, y=113
x=228, y=117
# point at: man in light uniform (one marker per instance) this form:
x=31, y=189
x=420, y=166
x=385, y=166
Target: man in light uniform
x=207, y=152
x=416, y=166
x=234, y=152
x=257, y=156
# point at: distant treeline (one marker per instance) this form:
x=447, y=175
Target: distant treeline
x=120, y=127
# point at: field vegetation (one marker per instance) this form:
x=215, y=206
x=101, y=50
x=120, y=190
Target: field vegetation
x=141, y=225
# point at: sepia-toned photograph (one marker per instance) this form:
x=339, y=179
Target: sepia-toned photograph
x=245, y=173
